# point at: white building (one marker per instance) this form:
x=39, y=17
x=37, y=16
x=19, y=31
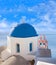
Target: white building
x=22, y=41
x=25, y=42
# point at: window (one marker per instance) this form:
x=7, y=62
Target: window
x=43, y=43
x=40, y=43
x=18, y=48
x=30, y=47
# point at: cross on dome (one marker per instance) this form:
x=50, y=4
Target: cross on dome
x=23, y=20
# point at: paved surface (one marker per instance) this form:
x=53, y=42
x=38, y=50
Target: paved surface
x=44, y=63
x=0, y=61
x=47, y=60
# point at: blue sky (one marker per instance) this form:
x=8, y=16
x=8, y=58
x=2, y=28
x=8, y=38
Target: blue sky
x=39, y=13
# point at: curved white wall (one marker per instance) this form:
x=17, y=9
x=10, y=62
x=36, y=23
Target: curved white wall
x=24, y=45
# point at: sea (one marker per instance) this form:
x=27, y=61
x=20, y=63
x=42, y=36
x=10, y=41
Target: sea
x=50, y=37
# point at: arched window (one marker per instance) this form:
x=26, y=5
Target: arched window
x=18, y=48
x=30, y=47
x=43, y=43
x=40, y=43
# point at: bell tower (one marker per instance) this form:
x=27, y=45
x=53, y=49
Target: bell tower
x=42, y=42
x=43, y=50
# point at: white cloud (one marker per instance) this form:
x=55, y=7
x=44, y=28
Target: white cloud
x=3, y=23
x=10, y=10
x=5, y=26
x=8, y=27
x=20, y=8
x=15, y=15
x=0, y=16
x=48, y=8
x=30, y=9
x=47, y=14
x=14, y=24
x=45, y=26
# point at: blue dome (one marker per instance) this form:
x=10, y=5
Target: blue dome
x=24, y=30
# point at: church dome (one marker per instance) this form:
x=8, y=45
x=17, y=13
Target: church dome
x=24, y=30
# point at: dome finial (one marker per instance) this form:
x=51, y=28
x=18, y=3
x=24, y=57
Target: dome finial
x=23, y=19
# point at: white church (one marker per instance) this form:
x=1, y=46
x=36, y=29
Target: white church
x=25, y=41
x=22, y=41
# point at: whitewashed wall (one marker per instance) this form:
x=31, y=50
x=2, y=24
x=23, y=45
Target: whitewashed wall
x=24, y=45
